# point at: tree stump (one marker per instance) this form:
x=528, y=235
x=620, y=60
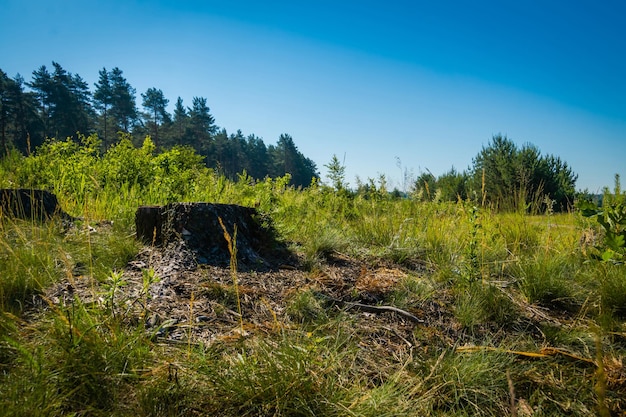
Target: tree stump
x=25, y=203
x=197, y=225
x=148, y=224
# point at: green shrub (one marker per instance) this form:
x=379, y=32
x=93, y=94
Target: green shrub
x=612, y=217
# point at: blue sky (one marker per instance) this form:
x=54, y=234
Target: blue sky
x=386, y=86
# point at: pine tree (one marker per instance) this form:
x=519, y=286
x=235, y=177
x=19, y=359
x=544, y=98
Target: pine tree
x=257, y=157
x=336, y=173
x=156, y=105
x=202, y=125
x=5, y=111
x=516, y=179
x=41, y=84
x=123, y=107
x=25, y=128
x=286, y=159
x=103, y=97
x=181, y=120
x=65, y=102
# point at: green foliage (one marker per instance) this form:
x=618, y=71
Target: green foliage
x=125, y=164
x=450, y=186
x=336, y=173
x=59, y=105
x=506, y=177
x=64, y=167
x=474, y=275
x=612, y=217
x=513, y=178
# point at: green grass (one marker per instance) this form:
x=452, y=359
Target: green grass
x=305, y=307
x=29, y=255
x=482, y=304
x=492, y=288
x=549, y=279
x=73, y=360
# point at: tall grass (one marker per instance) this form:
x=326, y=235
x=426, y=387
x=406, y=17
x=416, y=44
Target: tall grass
x=480, y=278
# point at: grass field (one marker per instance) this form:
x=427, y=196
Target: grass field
x=516, y=315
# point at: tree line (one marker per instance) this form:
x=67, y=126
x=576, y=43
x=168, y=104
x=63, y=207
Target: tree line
x=507, y=177
x=58, y=104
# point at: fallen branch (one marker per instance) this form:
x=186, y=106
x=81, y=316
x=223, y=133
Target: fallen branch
x=349, y=305
x=543, y=352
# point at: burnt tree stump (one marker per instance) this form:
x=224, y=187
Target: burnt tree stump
x=197, y=226
x=25, y=203
x=148, y=224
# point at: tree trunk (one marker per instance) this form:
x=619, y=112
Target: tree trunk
x=197, y=226
x=30, y=204
x=148, y=224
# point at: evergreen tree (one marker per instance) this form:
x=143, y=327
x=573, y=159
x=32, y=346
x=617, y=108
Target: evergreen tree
x=123, y=107
x=202, y=125
x=494, y=170
x=336, y=173
x=426, y=186
x=286, y=159
x=5, y=111
x=452, y=185
x=41, y=84
x=181, y=121
x=559, y=182
x=257, y=157
x=156, y=105
x=219, y=151
x=71, y=109
x=238, y=158
x=512, y=178
x=64, y=102
x=25, y=127
x=82, y=117
x=102, y=98
x=61, y=105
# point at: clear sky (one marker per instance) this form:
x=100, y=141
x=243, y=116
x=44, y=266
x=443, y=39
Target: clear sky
x=387, y=86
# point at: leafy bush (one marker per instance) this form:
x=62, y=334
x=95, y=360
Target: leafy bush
x=64, y=167
x=612, y=217
x=123, y=164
